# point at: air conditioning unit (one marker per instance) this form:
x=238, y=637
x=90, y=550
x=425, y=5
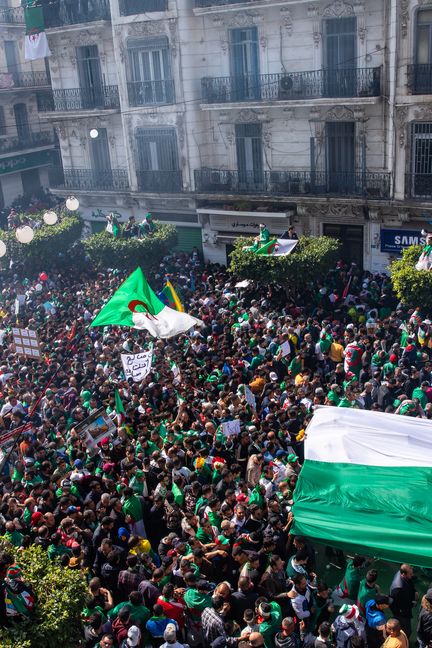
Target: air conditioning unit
x=290, y=85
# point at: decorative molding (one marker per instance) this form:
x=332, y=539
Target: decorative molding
x=314, y=114
x=83, y=142
x=359, y=113
x=339, y=113
x=61, y=131
x=251, y=116
x=239, y=19
x=81, y=37
x=112, y=140
x=404, y=17
x=224, y=45
x=423, y=112
x=263, y=42
x=172, y=26
x=336, y=210
x=338, y=9
x=267, y=134
x=148, y=28
x=286, y=20
x=401, y=120
x=180, y=125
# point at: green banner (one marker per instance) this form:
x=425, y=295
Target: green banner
x=26, y=161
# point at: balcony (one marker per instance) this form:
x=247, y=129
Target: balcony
x=75, y=99
x=13, y=80
x=30, y=141
x=145, y=93
x=418, y=186
x=206, y=4
x=160, y=181
x=129, y=7
x=369, y=185
x=320, y=84
x=11, y=16
x=88, y=180
x=62, y=14
x=420, y=78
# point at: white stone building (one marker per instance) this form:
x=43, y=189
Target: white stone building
x=27, y=140
x=220, y=114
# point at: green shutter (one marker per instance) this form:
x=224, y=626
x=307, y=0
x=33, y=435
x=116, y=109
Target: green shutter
x=188, y=238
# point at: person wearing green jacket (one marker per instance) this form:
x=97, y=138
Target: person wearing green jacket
x=138, y=611
x=269, y=620
x=132, y=507
x=348, y=588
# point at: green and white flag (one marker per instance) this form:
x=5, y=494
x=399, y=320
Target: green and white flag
x=36, y=42
x=176, y=372
x=366, y=484
x=135, y=304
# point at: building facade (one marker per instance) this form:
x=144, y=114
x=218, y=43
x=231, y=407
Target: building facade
x=217, y=115
x=27, y=141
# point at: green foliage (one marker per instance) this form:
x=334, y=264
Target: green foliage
x=413, y=287
x=48, y=248
x=106, y=251
x=312, y=259
x=60, y=593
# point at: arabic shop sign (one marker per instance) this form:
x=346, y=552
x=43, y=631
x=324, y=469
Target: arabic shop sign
x=395, y=240
x=27, y=161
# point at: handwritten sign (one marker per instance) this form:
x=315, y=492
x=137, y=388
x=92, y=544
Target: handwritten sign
x=286, y=349
x=231, y=428
x=250, y=398
x=26, y=343
x=137, y=365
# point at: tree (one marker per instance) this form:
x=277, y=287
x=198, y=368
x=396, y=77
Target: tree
x=311, y=259
x=60, y=595
x=413, y=287
x=106, y=251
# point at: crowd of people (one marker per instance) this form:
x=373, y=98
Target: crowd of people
x=185, y=535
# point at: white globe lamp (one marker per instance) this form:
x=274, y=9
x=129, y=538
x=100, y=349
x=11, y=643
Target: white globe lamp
x=50, y=217
x=24, y=234
x=72, y=203
x=2, y=249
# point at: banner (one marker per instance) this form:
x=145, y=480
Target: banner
x=96, y=427
x=26, y=343
x=8, y=437
x=250, y=398
x=137, y=365
x=231, y=428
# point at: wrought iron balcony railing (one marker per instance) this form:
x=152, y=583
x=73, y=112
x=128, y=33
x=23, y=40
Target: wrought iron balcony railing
x=160, y=181
x=97, y=98
x=9, y=80
x=418, y=186
x=59, y=13
x=129, y=7
x=27, y=141
x=12, y=16
x=203, y=4
x=365, y=184
x=87, y=179
x=143, y=93
x=358, y=82
x=420, y=78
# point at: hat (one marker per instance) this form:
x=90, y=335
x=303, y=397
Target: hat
x=292, y=458
x=350, y=612
x=123, y=532
x=170, y=632
x=280, y=453
x=273, y=376
x=134, y=636
x=73, y=509
x=36, y=517
x=108, y=466
x=78, y=463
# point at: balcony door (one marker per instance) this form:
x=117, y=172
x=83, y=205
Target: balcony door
x=421, y=156
x=150, y=72
x=423, y=52
x=158, y=165
x=340, y=57
x=12, y=60
x=244, y=53
x=90, y=77
x=249, y=156
x=22, y=121
x=340, y=157
x=100, y=160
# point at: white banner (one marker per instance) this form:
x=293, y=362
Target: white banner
x=231, y=428
x=250, y=398
x=137, y=365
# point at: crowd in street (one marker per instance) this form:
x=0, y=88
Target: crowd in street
x=185, y=535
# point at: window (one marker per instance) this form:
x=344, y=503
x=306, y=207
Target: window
x=158, y=164
x=423, y=53
x=421, y=159
x=244, y=63
x=150, y=72
x=249, y=155
x=2, y=121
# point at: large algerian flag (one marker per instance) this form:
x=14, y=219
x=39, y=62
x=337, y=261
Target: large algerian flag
x=36, y=43
x=135, y=304
x=366, y=484
x=275, y=247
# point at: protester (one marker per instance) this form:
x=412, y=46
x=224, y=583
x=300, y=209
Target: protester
x=185, y=532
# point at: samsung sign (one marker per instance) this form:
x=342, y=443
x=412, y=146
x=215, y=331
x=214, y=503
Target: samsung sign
x=394, y=241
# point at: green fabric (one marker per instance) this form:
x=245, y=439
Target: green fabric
x=270, y=627
x=133, y=296
x=351, y=581
x=132, y=506
x=197, y=601
x=34, y=18
x=421, y=396
x=139, y=613
x=378, y=510
x=365, y=594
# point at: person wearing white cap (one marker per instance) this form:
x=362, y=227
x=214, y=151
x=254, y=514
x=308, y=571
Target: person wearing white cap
x=349, y=627
x=425, y=259
x=170, y=636
x=133, y=638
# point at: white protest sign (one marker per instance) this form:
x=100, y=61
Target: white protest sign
x=250, y=398
x=286, y=349
x=231, y=428
x=26, y=342
x=137, y=365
